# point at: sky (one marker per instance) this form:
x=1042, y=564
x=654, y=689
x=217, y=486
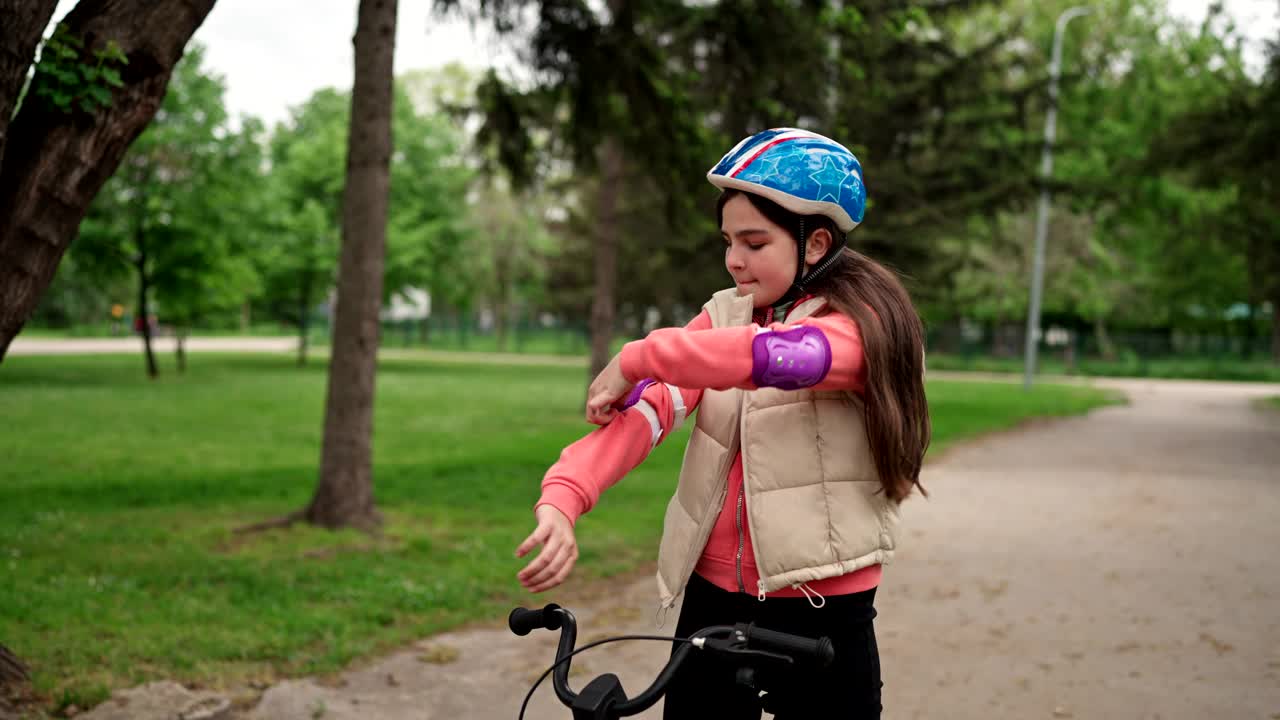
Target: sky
x=273, y=54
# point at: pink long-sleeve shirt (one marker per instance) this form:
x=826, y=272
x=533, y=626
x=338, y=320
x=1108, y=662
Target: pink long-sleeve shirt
x=694, y=358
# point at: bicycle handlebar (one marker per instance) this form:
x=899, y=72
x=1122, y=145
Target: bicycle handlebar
x=606, y=698
x=523, y=621
x=820, y=651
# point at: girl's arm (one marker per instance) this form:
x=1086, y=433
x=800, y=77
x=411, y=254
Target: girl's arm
x=598, y=461
x=823, y=353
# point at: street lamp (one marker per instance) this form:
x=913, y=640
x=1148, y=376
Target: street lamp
x=1046, y=171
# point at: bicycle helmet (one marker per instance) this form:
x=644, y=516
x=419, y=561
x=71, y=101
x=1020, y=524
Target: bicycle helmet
x=804, y=172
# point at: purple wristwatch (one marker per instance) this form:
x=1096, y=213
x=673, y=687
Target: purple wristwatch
x=633, y=397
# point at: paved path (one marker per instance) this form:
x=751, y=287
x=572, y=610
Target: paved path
x=133, y=344
x=1120, y=565
x=240, y=343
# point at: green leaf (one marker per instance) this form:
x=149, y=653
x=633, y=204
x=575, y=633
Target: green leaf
x=112, y=77
x=100, y=95
x=114, y=52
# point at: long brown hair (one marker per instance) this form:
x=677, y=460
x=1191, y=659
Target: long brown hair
x=895, y=408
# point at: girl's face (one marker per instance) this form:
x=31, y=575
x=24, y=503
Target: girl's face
x=760, y=255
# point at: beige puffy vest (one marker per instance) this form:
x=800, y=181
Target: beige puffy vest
x=815, y=505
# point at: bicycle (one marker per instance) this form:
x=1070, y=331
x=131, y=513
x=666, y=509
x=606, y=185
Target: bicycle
x=604, y=699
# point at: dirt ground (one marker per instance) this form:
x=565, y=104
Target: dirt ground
x=1120, y=565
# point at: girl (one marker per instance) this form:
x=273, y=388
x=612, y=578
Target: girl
x=811, y=428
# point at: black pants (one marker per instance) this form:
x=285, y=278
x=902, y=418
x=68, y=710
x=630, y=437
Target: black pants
x=707, y=687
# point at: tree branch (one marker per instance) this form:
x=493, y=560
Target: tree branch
x=57, y=162
x=21, y=24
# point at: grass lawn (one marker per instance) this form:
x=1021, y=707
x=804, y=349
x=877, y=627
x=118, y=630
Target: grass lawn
x=119, y=497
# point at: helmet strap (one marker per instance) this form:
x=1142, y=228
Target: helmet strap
x=799, y=286
x=801, y=240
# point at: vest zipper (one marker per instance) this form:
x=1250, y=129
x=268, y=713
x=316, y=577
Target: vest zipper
x=742, y=491
x=741, y=538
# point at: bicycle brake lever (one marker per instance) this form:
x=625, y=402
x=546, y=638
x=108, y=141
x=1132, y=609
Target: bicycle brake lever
x=737, y=647
x=762, y=654
x=720, y=645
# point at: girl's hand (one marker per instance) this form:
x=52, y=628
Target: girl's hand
x=609, y=387
x=559, y=551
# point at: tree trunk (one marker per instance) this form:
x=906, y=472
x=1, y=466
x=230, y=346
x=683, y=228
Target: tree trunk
x=606, y=255
x=1250, y=333
x=500, y=325
x=55, y=163
x=502, y=273
x=344, y=496
x=519, y=319
x=143, y=319
x=12, y=670
x=304, y=315
x=22, y=22
x=1275, y=329
x=1263, y=258
x=180, y=347
x=144, y=313
x=1105, y=347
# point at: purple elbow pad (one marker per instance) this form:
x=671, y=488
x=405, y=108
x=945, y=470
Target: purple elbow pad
x=633, y=397
x=790, y=360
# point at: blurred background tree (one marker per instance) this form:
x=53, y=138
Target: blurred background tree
x=559, y=204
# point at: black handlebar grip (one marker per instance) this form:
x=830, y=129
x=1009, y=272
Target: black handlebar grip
x=522, y=621
x=819, y=651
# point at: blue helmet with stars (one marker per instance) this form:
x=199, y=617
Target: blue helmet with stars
x=802, y=171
